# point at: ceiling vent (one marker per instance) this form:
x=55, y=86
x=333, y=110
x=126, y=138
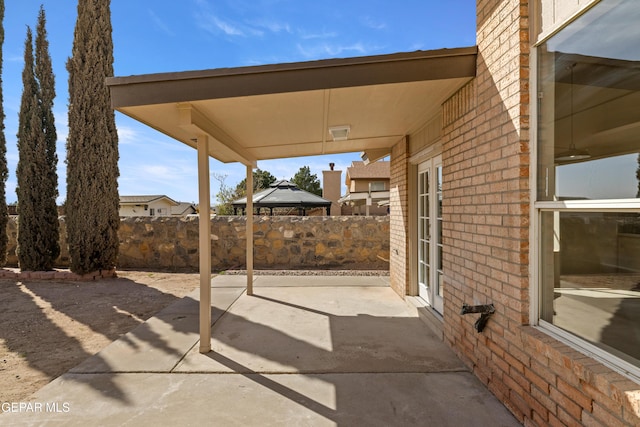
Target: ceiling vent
x=340, y=133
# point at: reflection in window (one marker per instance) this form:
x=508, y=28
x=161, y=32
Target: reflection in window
x=606, y=178
x=589, y=122
x=592, y=278
x=588, y=149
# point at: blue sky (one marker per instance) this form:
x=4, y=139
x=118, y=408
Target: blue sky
x=152, y=36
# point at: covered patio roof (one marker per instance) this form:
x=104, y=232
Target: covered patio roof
x=248, y=114
x=286, y=110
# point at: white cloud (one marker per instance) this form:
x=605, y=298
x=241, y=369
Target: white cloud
x=321, y=35
x=225, y=27
x=133, y=135
x=177, y=180
x=369, y=22
x=210, y=22
x=160, y=23
x=127, y=135
x=157, y=172
x=62, y=132
x=326, y=49
x=274, y=26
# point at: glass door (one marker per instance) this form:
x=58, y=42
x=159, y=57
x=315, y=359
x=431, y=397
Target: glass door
x=430, y=232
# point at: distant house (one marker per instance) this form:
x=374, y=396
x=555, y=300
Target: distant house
x=184, y=209
x=367, y=188
x=156, y=205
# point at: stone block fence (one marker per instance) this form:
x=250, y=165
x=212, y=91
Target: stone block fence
x=280, y=242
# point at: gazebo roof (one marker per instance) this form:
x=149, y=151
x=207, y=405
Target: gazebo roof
x=283, y=194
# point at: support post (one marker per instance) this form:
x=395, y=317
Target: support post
x=249, y=230
x=204, y=238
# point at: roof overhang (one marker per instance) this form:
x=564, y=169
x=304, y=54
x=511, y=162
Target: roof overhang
x=139, y=200
x=363, y=196
x=286, y=110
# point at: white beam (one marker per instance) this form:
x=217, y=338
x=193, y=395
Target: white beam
x=204, y=237
x=191, y=117
x=249, y=230
x=373, y=155
x=325, y=119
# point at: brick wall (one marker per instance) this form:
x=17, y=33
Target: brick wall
x=562, y=386
x=485, y=206
x=485, y=166
x=486, y=244
x=399, y=223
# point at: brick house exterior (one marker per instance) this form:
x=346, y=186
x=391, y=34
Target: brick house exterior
x=485, y=143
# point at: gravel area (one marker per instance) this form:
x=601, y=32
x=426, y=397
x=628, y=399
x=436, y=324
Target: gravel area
x=310, y=272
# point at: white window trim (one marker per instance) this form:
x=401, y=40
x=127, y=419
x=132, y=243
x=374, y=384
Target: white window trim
x=534, y=226
x=617, y=205
x=543, y=37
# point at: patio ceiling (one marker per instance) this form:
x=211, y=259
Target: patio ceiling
x=286, y=110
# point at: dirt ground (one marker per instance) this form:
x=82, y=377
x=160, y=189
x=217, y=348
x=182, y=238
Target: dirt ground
x=48, y=327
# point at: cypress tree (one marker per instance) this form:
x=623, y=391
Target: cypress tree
x=38, y=229
x=4, y=171
x=30, y=163
x=48, y=185
x=92, y=144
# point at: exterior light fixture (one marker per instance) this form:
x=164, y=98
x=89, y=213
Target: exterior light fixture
x=340, y=133
x=365, y=157
x=573, y=153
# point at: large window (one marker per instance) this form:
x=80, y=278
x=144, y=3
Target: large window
x=588, y=180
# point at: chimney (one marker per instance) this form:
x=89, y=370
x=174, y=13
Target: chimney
x=331, y=185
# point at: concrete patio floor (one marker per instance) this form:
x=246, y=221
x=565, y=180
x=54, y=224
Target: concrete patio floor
x=304, y=350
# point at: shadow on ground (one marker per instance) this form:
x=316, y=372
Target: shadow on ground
x=48, y=327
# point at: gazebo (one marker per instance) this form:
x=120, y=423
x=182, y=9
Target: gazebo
x=283, y=194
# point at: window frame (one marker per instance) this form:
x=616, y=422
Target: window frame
x=537, y=208
x=379, y=186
